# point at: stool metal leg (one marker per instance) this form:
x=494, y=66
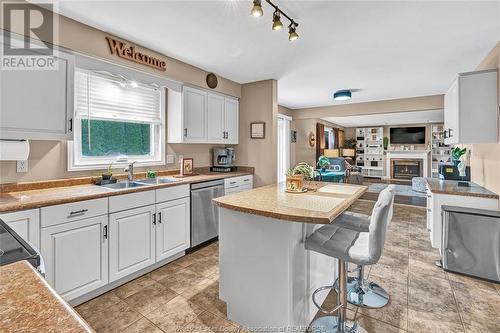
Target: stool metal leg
x=331, y=324
x=364, y=293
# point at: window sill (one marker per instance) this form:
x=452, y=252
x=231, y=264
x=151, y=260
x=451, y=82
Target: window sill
x=116, y=165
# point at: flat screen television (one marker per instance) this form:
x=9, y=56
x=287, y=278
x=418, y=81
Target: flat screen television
x=407, y=135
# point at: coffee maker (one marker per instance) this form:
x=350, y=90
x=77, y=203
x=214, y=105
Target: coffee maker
x=223, y=160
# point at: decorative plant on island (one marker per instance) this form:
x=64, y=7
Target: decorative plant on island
x=296, y=175
x=456, y=154
x=323, y=162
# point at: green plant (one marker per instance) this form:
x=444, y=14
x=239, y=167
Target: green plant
x=323, y=162
x=302, y=168
x=350, y=143
x=457, y=153
x=110, y=169
x=386, y=142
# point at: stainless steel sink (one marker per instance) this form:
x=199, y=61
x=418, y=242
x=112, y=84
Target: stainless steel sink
x=124, y=185
x=157, y=181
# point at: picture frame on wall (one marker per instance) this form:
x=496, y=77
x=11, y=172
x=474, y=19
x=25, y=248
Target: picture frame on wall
x=258, y=130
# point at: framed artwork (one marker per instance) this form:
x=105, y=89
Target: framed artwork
x=187, y=166
x=258, y=130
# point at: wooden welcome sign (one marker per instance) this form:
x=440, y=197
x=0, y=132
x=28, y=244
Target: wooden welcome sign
x=129, y=52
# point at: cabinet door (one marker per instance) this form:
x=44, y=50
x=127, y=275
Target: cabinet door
x=195, y=115
x=451, y=114
x=231, y=108
x=76, y=256
x=38, y=104
x=215, y=119
x=131, y=241
x=26, y=224
x=173, y=232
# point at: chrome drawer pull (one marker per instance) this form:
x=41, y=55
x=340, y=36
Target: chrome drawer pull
x=78, y=212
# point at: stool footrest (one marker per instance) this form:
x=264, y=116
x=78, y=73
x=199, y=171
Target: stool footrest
x=320, y=308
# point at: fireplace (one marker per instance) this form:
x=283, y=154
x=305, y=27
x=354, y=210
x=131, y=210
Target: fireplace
x=406, y=168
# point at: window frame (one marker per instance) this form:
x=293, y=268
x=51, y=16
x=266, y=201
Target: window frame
x=158, y=137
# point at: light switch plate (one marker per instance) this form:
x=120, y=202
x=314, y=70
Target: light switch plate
x=170, y=159
x=21, y=166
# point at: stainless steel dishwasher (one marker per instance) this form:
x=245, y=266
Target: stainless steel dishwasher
x=204, y=215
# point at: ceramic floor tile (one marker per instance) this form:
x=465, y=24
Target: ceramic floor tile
x=424, y=262
x=113, y=318
x=97, y=305
x=133, y=286
x=376, y=326
x=208, y=298
x=160, y=273
x=149, y=298
x=189, y=259
x=142, y=326
x=174, y=315
x=467, y=281
x=206, y=266
x=181, y=280
x=393, y=273
x=431, y=320
x=209, y=322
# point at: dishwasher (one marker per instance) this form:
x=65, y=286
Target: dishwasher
x=204, y=214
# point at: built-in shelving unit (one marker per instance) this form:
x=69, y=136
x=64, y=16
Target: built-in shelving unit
x=441, y=152
x=370, y=151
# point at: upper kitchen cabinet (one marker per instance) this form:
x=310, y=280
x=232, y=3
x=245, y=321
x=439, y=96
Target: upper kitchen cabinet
x=200, y=116
x=38, y=104
x=471, y=108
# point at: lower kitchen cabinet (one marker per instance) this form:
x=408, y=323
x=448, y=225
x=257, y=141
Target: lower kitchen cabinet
x=131, y=241
x=25, y=223
x=173, y=228
x=76, y=256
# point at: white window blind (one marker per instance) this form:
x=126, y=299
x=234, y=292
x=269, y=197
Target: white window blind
x=103, y=97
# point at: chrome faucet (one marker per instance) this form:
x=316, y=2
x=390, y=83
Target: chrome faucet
x=130, y=171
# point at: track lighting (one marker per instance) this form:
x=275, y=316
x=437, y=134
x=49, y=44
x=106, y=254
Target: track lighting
x=257, y=8
x=292, y=34
x=277, y=25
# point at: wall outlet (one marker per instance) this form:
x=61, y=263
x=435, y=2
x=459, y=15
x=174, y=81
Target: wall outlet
x=170, y=159
x=22, y=166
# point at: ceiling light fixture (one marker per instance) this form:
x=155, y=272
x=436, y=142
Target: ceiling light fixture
x=342, y=95
x=277, y=24
x=257, y=8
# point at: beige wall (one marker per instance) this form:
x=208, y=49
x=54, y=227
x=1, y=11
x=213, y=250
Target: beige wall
x=485, y=158
x=48, y=159
x=259, y=102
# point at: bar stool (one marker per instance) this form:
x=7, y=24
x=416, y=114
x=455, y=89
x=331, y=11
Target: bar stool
x=361, y=248
x=361, y=292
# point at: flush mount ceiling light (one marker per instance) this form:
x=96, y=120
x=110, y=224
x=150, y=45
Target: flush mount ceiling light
x=277, y=24
x=342, y=95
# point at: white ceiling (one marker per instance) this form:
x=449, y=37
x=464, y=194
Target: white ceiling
x=401, y=118
x=385, y=49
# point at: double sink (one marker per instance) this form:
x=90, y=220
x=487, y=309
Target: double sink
x=139, y=183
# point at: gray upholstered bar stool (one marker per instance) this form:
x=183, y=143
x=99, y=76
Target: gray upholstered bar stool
x=361, y=292
x=361, y=248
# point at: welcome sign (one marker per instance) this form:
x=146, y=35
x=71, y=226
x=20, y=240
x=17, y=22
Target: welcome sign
x=130, y=53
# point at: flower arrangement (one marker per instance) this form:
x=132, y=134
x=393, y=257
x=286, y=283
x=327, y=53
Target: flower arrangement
x=296, y=175
x=456, y=154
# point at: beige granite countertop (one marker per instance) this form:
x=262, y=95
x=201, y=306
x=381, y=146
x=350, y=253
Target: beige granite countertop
x=29, y=304
x=451, y=187
x=322, y=203
x=36, y=198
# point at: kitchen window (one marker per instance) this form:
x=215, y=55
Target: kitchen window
x=116, y=120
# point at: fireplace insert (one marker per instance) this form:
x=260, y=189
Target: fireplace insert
x=406, y=168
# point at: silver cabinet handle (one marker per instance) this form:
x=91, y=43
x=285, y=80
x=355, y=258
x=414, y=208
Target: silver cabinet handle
x=78, y=212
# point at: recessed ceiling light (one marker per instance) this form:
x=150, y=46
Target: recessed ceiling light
x=257, y=9
x=342, y=95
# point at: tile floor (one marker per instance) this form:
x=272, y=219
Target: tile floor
x=183, y=295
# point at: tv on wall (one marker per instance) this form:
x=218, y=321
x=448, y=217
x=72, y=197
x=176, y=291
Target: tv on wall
x=407, y=135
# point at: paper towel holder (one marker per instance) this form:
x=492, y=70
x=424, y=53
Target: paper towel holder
x=14, y=150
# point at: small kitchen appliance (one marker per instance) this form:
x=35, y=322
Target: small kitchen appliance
x=223, y=160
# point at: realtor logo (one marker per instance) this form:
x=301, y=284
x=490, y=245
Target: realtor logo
x=28, y=36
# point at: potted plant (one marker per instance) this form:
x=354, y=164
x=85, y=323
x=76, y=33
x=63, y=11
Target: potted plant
x=109, y=174
x=323, y=162
x=456, y=154
x=296, y=175
x=386, y=142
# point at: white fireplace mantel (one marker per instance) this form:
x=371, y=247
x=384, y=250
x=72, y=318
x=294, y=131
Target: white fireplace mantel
x=407, y=154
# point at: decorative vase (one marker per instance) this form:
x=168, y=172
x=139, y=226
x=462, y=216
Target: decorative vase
x=456, y=162
x=294, y=182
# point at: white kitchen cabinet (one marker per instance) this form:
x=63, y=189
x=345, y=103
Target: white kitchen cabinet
x=231, y=120
x=201, y=116
x=25, y=223
x=38, y=104
x=238, y=184
x=471, y=108
x=173, y=228
x=131, y=241
x=194, y=115
x=76, y=256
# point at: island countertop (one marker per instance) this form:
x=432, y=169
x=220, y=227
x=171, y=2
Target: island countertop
x=451, y=187
x=321, y=204
x=29, y=304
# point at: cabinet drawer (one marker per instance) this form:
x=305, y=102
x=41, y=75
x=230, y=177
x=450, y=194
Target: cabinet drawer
x=73, y=211
x=131, y=200
x=172, y=193
x=238, y=181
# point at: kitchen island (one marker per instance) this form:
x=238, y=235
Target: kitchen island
x=267, y=276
